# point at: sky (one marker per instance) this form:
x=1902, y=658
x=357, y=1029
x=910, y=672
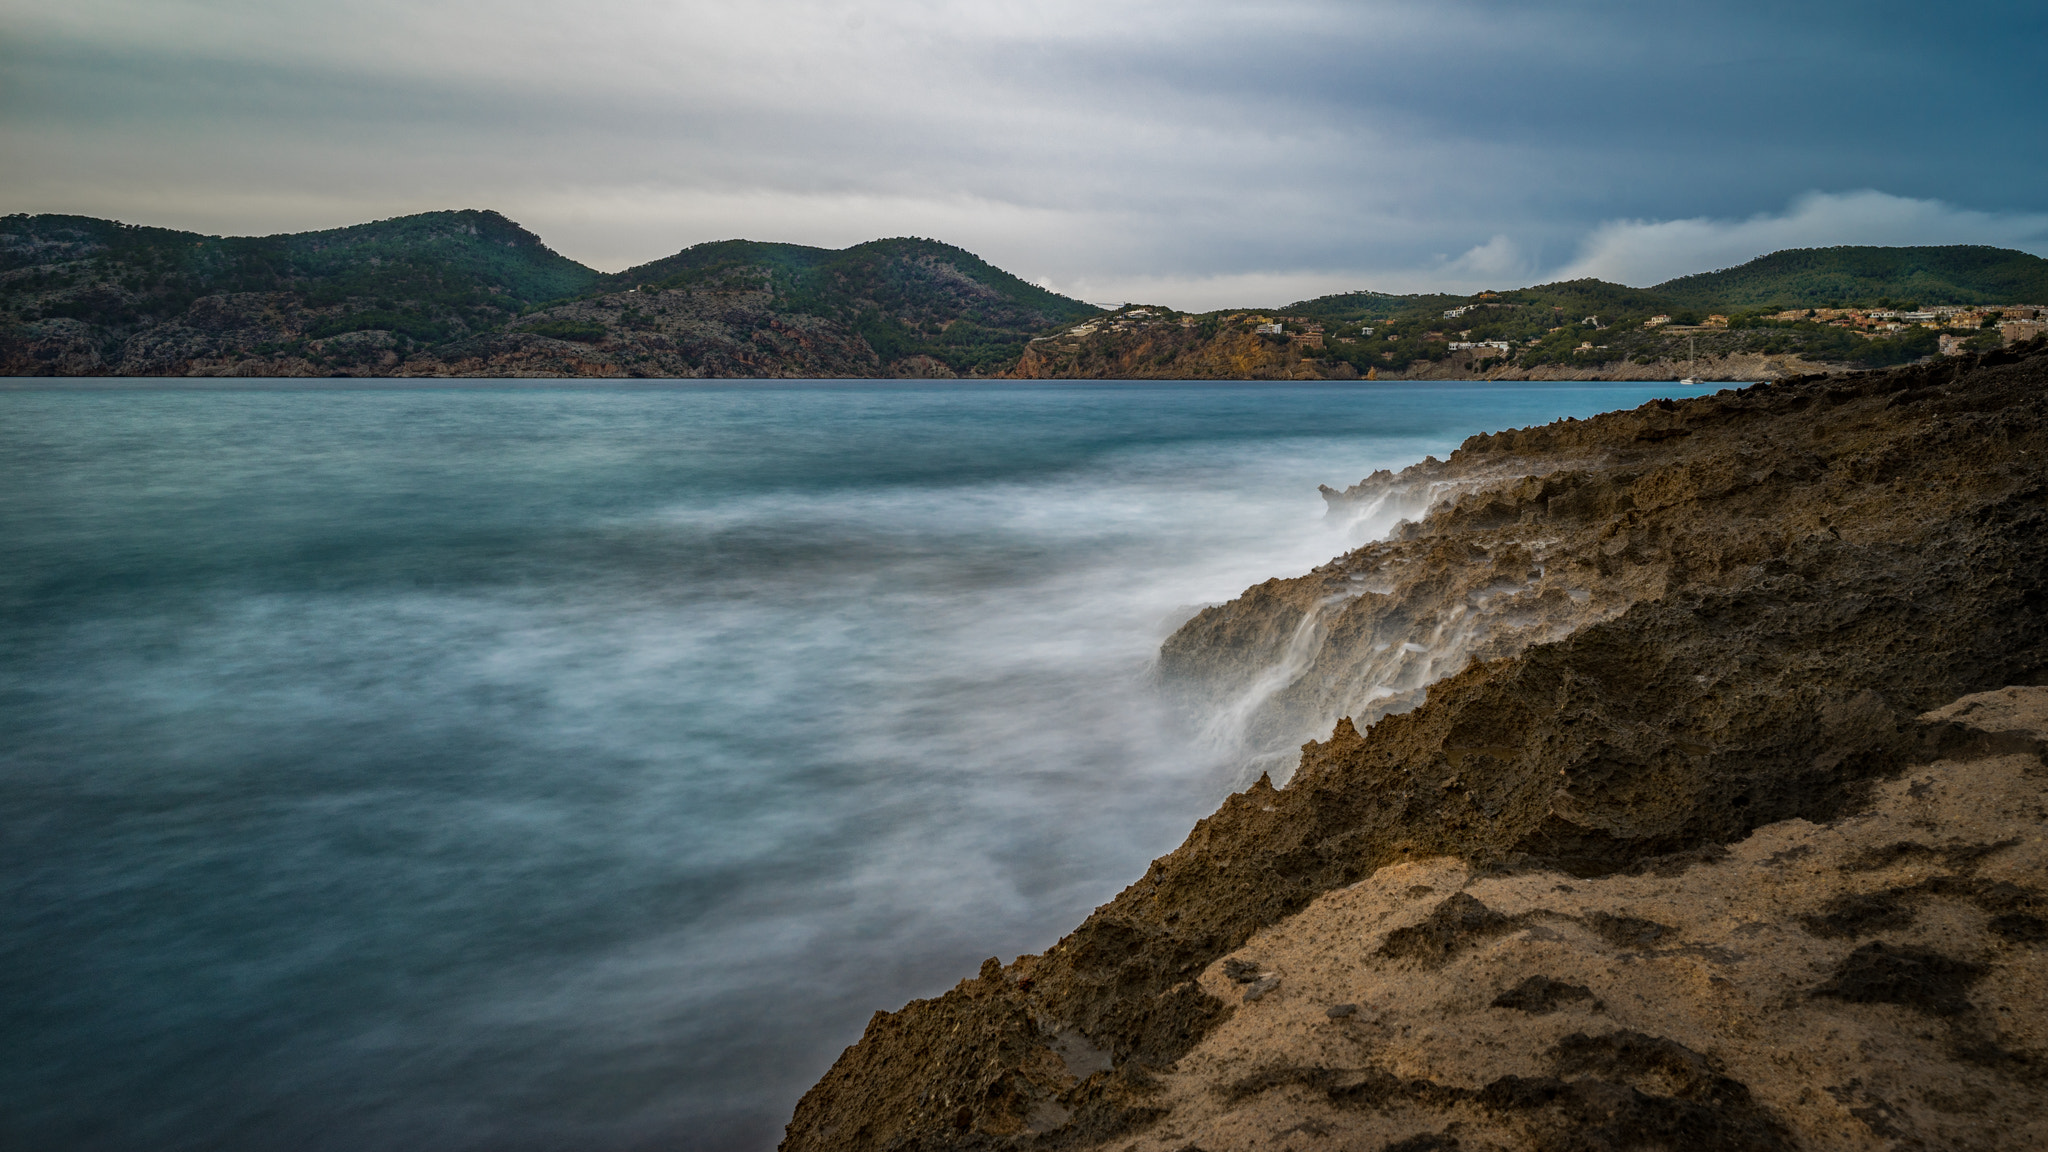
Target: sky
x=1194, y=154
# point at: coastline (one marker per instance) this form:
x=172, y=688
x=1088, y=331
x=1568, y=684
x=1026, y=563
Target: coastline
x=1784, y=587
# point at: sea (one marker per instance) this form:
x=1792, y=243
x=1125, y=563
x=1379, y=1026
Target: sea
x=579, y=767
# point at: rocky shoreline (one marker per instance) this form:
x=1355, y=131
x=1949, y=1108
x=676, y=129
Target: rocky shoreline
x=1723, y=829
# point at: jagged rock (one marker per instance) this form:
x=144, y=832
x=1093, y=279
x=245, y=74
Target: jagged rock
x=1651, y=805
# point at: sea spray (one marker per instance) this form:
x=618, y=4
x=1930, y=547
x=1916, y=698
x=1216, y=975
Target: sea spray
x=568, y=767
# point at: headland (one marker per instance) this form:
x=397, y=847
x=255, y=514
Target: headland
x=1723, y=830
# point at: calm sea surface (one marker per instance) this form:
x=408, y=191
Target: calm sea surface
x=573, y=768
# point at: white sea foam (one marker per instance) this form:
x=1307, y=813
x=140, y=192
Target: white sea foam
x=580, y=770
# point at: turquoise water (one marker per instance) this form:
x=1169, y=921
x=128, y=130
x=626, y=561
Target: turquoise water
x=505, y=768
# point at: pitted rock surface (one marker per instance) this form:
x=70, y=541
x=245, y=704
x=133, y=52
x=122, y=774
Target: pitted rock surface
x=1676, y=802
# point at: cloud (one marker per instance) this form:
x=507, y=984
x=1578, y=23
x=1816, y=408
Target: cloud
x=1138, y=149
x=1644, y=252
x=1498, y=258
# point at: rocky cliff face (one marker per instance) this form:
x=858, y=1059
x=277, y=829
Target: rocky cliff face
x=1702, y=640
x=1155, y=345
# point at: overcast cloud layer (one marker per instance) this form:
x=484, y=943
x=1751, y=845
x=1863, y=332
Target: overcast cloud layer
x=1193, y=153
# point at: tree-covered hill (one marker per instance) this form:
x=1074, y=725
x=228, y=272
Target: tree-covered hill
x=907, y=297
x=436, y=264
x=474, y=290
x=1822, y=277
x=471, y=293
x=1352, y=307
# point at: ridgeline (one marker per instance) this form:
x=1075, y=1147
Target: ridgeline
x=473, y=294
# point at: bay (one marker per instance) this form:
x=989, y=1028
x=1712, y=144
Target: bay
x=578, y=767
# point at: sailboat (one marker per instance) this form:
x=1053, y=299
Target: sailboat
x=1691, y=354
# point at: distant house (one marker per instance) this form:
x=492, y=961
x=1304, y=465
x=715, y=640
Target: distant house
x=1454, y=313
x=2017, y=330
x=1717, y=321
x=1656, y=321
x=1951, y=344
x=1500, y=346
x=1273, y=329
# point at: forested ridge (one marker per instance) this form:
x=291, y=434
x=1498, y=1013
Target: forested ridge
x=471, y=293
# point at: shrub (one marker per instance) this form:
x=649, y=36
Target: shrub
x=581, y=331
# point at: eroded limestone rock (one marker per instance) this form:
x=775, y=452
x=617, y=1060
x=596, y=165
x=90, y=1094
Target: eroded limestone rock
x=1695, y=804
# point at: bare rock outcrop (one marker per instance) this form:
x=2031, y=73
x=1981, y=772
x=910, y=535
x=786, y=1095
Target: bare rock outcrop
x=1877, y=981
x=1782, y=584
x=1531, y=535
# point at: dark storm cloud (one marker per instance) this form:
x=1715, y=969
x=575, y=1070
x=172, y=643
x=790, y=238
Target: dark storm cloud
x=1195, y=153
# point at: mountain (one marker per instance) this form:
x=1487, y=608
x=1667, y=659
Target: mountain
x=1715, y=326
x=1820, y=277
x=472, y=293
x=910, y=300
x=435, y=266
x=81, y=296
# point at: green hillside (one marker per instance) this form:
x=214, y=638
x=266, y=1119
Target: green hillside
x=86, y=296
x=906, y=297
x=472, y=293
x=423, y=275
x=1594, y=297
x=1818, y=277
x=1350, y=307
x=1796, y=277
x=1591, y=324
x=1574, y=297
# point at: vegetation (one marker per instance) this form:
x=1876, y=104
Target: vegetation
x=460, y=267
x=447, y=280
x=1862, y=276
x=906, y=297
x=582, y=331
x=441, y=278
x=1350, y=307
